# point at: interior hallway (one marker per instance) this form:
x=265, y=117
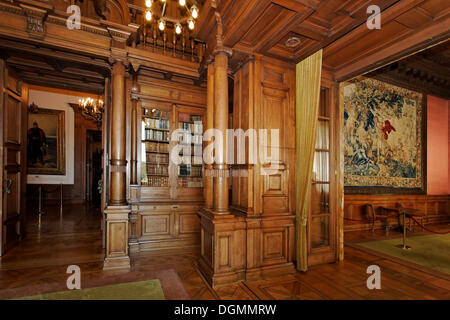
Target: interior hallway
x=39, y=263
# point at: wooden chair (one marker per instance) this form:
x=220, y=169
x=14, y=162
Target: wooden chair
x=409, y=213
x=371, y=212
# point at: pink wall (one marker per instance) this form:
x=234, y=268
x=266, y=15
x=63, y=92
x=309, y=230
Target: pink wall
x=438, y=151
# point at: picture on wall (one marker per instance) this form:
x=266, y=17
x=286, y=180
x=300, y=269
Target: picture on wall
x=384, y=133
x=45, y=142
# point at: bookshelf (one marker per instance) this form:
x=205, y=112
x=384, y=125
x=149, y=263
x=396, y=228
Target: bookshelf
x=190, y=174
x=155, y=148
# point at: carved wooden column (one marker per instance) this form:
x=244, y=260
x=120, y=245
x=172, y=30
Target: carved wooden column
x=134, y=127
x=118, y=210
x=118, y=160
x=208, y=188
x=221, y=201
x=223, y=239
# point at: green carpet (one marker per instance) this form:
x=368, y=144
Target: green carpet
x=143, y=290
x=431, y=251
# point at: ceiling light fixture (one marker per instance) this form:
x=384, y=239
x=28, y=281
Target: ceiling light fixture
x=148, y=15
x=293, y=42
x=178, y=28
x=161, y=25
x=189, y=9
x=191, y=24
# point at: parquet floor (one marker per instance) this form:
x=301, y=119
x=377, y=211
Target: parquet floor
x=42, y=259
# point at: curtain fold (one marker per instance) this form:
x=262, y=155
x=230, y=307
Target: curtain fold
x=308, y=77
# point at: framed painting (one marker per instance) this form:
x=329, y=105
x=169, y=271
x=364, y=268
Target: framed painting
x=45, y=142
x=384, y=138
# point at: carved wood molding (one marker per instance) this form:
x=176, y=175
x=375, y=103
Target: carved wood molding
x=35, y=20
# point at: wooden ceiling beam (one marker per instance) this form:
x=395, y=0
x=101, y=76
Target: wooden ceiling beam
x=416, y=40
x=297, y=5
x=238, y=25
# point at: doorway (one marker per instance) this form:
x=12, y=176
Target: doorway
x=93, y=167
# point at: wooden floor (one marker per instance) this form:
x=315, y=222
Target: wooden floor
x=42, y=259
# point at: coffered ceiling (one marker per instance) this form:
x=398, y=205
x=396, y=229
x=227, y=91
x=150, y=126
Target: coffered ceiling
x=291, y=30
x=41, y=66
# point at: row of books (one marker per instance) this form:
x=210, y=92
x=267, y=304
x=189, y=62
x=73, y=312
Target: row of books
x=190, y=139
x=151, y=134
x=155, y=113
x=190, y=171
x=195, y=127
x=159, y=158
x=186, y=117
x=156, y=123
x=156, y=147
x=153, y=181
x=155, y=169
x=184, y=182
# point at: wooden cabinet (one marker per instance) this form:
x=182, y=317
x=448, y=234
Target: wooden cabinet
x=169, y=193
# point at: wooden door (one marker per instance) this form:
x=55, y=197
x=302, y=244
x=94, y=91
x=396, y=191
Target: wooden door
x=13, y=119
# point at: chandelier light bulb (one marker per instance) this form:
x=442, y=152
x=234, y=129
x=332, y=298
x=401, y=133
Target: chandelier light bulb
x=148, y=15
x=164, y=1
x=178, y=28
x=194, y=12
x=161, y=25
x=191, y=24
x=182, y=2
x=148, y=3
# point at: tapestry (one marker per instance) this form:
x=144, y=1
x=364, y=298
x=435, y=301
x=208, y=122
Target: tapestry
x=383, y=136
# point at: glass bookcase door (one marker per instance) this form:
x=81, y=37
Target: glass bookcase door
x=190, y=137
x=155, y=126
x=320, y=205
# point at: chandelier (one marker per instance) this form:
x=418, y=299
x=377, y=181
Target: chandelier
x=191, y=14
x=91, y=109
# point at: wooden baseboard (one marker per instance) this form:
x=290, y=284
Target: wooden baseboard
x=379, y=225
x=269, y=271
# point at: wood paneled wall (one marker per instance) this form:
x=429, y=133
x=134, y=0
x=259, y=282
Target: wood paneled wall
x=436, y=208
x=264, y=98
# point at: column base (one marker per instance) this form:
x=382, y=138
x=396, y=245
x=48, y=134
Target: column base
x=223, y=240
x=219, y=279
x=116, y=263
x=237, y=247
x=117, y=250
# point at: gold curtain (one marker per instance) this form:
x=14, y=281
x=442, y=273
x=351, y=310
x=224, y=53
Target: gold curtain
x=307, y=112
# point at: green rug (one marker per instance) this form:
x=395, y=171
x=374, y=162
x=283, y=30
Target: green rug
x=143, y=290
x=431, y=251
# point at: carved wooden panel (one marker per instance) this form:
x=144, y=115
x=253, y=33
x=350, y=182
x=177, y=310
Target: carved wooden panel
x=274, y=246
x=13, y=127
x=207, y=248
x=224, y=249
x=189, y=223
x=157, y=224
x=435, y=207
x=119, y=243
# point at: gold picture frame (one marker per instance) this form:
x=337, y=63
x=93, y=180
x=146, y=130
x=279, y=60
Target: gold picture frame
x=46, y=154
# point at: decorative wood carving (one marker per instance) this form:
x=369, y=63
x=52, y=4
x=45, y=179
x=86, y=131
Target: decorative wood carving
x=35, y=20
